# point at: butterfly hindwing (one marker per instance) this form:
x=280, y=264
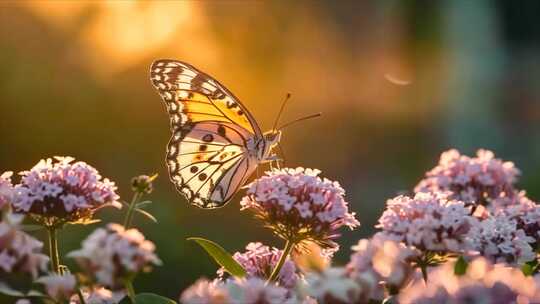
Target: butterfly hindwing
x=208, y=154
x=201, y=161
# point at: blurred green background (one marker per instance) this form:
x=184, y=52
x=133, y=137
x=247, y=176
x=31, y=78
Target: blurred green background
x=398, y=82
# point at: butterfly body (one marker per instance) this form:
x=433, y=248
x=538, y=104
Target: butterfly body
x=216, y=143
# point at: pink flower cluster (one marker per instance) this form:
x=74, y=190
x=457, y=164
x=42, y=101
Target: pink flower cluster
x=474, y=180
x=59, y=287
x=527, y=216
x=381, y=263
x=299, y=205
x=98, y=295
x=259, y=260
x=61, y=189
x=501, y=240
x=428, y=221
x=333, y=285
x=111, y=254
x=6, y=189
x=19, y=252
x=482, y=283
x=235, y=291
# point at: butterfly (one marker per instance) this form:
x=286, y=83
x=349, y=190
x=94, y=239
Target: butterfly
x=216, y=144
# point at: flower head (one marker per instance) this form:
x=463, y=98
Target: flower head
x=59, y=287
x=473, y=180
x=204, y=291
x=111, y=254
x=259, y=260
x=482, y=283
x=234, y=291
x=6, y=189
x=298, y=205
x=98, y=295
x=499, y=239
x=429, y=221
x=19, y=252
x=61, y=190
x=333, y=285
x=382, y=260
x=526, y=214
x=255, y=291
x=143, y=183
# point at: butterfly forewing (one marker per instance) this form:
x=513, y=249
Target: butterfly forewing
x=208, y=155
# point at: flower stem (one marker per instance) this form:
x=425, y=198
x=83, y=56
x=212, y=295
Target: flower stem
x=131, y=209
x=286, y=251
x=130, y=290
x=81, y=297
x=53, y=250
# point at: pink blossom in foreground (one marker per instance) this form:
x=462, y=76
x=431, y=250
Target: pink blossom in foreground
x=204, y=291
x=298, y=205
x=235, y=291
x=59, y=287
x=6, y=189
x=259, y=261
x=111, y=254
x=19, y=252
x=482, y=283
x=98, y=295
x=62, y=190
x=333, y=285
x=382, y=262
x=428, y=221
x=473, y=180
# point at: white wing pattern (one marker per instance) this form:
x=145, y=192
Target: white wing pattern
x=207, y=155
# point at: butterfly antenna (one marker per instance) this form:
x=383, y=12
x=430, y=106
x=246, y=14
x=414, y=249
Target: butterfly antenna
x=300, y=119
x=280, y=147
x=287, y=97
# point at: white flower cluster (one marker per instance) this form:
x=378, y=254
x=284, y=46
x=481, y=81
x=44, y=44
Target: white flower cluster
x=473, y=180
x=429, y=221
x=334, y=285
x=63, y=188
x=482, y=283
x=235, y=291
x=19, y=252
x=98, y=295
x=381, y=262
x=59, y=287
x=6, y=189
x=113, y=253
x=259, y=260
x=499, y=239
x=298, y=204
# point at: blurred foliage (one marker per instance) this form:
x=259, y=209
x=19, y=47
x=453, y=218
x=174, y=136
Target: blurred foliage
x=398, y=82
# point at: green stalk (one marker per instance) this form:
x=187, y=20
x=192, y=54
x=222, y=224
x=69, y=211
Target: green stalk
x=131, y=209
x=130, y=290
x=53, y=250
x=81, y=297
x=286, y=251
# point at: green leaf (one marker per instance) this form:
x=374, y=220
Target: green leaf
x=147, y=214
x=461, y=266
x=530, y=268
x=143, y=204
x=222, y=257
